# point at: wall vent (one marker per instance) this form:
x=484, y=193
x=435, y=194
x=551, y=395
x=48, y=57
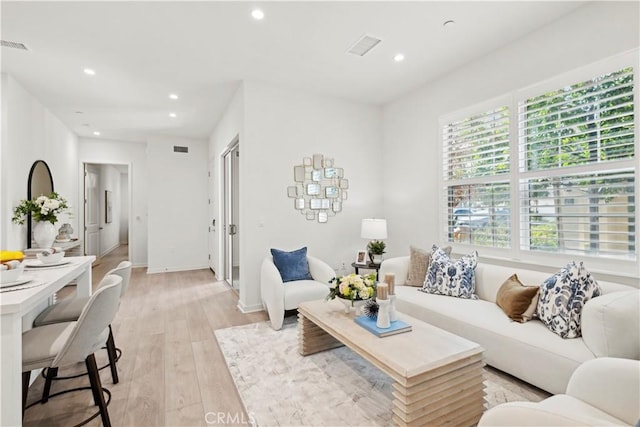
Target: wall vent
x=364, y=45
x=14, y=45
x=178, y=149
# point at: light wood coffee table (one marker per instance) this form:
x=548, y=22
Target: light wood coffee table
x=437, y=375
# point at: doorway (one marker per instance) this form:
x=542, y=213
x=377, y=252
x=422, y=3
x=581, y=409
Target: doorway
x=106, y=208
x=231, y=210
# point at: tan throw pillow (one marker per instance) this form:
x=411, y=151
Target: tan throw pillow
x=419, y=260
x=517, y=300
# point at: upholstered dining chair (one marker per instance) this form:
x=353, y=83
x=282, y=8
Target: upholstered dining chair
x=278, y=295
x=60, y=344
x=69, y=310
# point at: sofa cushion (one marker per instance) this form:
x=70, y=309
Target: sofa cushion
x=419, y=260
x=562, y=297
x=517, y=300
x=292, y=265
x=451, y=278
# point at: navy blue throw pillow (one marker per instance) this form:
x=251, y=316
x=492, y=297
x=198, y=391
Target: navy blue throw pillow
x=292, y=265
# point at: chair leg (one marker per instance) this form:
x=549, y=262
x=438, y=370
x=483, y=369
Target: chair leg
x=26, y=377
x=96, y=386
x=51, y=374
x=111, y=351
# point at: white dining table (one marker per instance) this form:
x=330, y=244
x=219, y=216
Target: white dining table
x=16, y=304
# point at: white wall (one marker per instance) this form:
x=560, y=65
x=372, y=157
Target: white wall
x=411, y=130
x=279, y=128
x=110, y=233
x=229, y=127
x=178, y=208
x=135, y=156
x=30, y=132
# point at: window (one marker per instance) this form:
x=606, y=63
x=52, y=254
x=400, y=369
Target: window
x=550, y=172
x=476, y=162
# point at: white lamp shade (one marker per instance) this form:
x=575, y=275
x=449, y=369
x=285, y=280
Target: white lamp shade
x=373, y=229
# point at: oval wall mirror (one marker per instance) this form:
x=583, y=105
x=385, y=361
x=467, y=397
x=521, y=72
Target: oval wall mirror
x=40, y=183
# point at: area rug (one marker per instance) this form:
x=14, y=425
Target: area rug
x=279, y=387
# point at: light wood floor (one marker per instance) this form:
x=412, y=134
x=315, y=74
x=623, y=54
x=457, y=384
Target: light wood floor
x=172, y=372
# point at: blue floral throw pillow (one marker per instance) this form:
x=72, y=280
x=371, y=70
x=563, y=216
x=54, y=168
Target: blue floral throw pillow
x=292, y=265
x=562, y=297
x=451, y=278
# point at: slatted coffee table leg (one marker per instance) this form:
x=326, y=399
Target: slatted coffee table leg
x=449, y=395
x=312, y=338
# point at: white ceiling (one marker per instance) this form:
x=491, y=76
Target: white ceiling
x=142, y=51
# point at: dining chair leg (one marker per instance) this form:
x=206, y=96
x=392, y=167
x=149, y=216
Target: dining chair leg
x=51, y=374
x=96, y=386
x=26, y=377
x=111, y=351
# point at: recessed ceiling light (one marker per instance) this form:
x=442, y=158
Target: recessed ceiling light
x=89, y=72
x=399, y=57
x=449, y=23
x=172, y=115
x=173, y=96
x=257, y=14
x=96, y=133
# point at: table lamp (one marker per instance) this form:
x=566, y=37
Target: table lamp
x=374, y=230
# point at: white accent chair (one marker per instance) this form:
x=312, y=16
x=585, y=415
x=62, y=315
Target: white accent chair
x=601, y=392
x=278, y=296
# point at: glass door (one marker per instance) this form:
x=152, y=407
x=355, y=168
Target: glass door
x=231, y=231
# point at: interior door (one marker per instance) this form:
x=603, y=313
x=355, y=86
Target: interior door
x=231, y=230
x=92, y=209
x=213, y=252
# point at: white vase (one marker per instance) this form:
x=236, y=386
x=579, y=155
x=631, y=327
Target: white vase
x=44, y=233
x=348, y=305
x=377, y=259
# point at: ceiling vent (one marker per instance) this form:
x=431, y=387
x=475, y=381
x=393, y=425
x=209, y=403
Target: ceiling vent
x=178, y=149
x=14, y=45
x=364, y=45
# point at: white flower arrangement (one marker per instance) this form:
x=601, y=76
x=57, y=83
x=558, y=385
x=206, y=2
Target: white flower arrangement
x=353, y=287
x=43, y=208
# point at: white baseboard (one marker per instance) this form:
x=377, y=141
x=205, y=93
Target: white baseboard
x=249, y=308
x=111, y=249
x=174, y=269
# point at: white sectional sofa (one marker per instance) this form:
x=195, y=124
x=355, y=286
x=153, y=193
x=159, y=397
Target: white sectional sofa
x=529, y=351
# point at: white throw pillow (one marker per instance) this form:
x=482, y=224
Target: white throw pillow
x=451, y=278
x=562, y=297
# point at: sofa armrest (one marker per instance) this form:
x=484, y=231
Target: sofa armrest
x=320, y=270
x=609, y=384
x=524, y=414
x=271, y=289
x=398, y=266
x=611, y=325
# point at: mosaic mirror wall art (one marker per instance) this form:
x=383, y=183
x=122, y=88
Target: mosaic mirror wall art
x=320, y=188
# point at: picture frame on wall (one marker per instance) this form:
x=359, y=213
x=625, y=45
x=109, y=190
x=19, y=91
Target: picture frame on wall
x=361, y=258
x=108, y=207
